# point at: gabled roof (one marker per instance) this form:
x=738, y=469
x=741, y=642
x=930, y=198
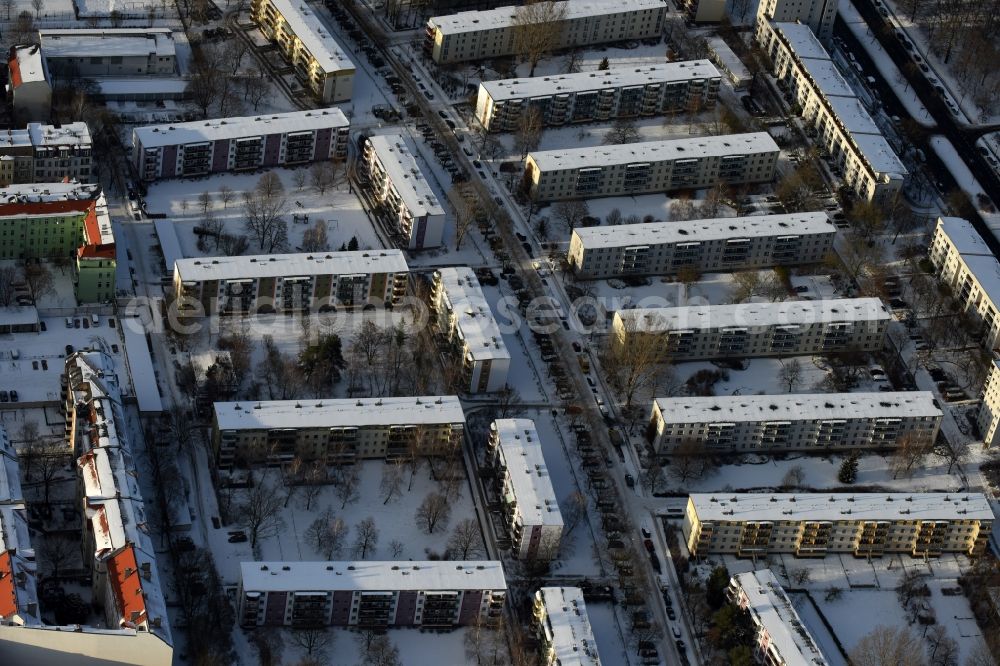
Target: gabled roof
x=126, y=585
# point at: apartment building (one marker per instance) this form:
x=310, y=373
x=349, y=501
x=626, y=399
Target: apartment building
x=704, y=11
x=843, y=127
x=817, y=15
x=965, y=263
x=651, y=166
x=989, y=411
x=816, y=422
x=749, y=330
x=247, y=143
x=399, y=186
x=301, y=282
x=562, y=628
x=813, y=525
x=373, y=595
x=720, y=53
x=319, y=61
x=622, y=92
x=474, y=35
x=720, y=244
x=276, y=432
x=530, y=509
x=45, y=154
x=461, y=315
x=68, y=220
x=18, y=590
x=781, y=638
x=29, y=86
x=86, y=52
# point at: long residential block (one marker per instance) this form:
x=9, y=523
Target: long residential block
x=132, y=52
x=789, y=328
x=301, y=282
x=988, y=418
x=562, y=628
x=245, y=143
x=623, y=92
x=45, y=154
x=860, y=524
x=461, y=314
x=276, y=432
x=815, y=15
x=844, y=128
x=399, y=185
x=651, y=166
x=817, y=422
x=530, y=508
x=721, y=244
x=474, y=35
x=372, y=595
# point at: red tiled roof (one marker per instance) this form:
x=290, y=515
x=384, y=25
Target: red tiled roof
x=47, y=207
x=15, y=72
x=126, y=584
x=8, y=588
x=96, y=251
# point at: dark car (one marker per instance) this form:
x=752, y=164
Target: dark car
x=69, y=349
x=13, y=396
x=4, y=397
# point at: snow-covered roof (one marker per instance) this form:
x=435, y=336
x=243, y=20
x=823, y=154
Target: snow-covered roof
x=852, y=115
x=18, y=315
x=123, y=42
x=737, y=507
x=798, y=407
x=655, y=151
x=986, y=270
x=755, y=315
x=801, y=39
x=347, y=412
x=879, y=154
x=14, y=533
x=39, y=135
x=827, y=78
x=357, y=262
x=567, y=626
x=395, y=153
x=140, y=365
x=198, y=131
x=657, y=233
x=521, y=449
x=109, y=472
x=18, y=589
x=475, y=322
x=772, y=608
x=372, y=576
x=503, y=17
x=170, y=244
x=27, y=65
x=728, y=58
x=963, y=236
x=310, y=30
x=45, y=192
x=618, y=77
x=10, y=474
x=120, y=86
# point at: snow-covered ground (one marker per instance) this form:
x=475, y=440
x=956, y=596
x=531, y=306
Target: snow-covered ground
x=968, y=182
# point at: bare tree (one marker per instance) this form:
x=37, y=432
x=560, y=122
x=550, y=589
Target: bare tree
x=689, y=460
x=39, y=279
x=314, y=640
x=888, y=646
x=571, y=63
x=468, y=209
x=570, y=213
x=379, y=650
x=943, y=650
x=396, y=547
x=634, y=358
x=528, y=134
x=226, y=195
x=256, y=88
x=347, y=483
x=574, y=510
x=800, y=576
x=58, y=554
x=326, y=534
x=912, y=448
x=321, y=176
x=365, y=538
x=299, y=178
x=205, y=202
x=793, y=477
x=9, y=5
x=537, y=29
x=314, y=239
x=38, y=6
x=614, y=217
x=623, y=131
x=790, y=374
x=260, y=513
x=433, y=512
x=51, y=462
x=465, y=542
x=263, y=207
x=391, y=485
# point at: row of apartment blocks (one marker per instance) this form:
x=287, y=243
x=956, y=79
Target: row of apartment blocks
x=475, y=35
x=651, y=166
x=276, y=432
x=624, y=92
x=749, y=330
x=461, y=315
x=721, y=244
x=845, y=129
x=45, y=154
x=318, y=60
x=371, y=595
x=246, y=143
x=561, y=626
x=529, y=505
x=819, y=422
x=290, y=282
x=396, y=182
x=860, y=524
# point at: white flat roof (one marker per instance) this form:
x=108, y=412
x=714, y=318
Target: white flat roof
x=827, y=77
x=503, y=17
x=124, y=42
x=30, y=66
x=529, y=477
x=474, y=319
x=879, y=154
x=18, y=315
x=152, y=136
x=42, y=192
x=38, y=134
x=801, y=39
x=841, y=506
x=357, y=262
x=775, y=612
x=348, y=412
x=798, y=407
x=655, y=151
x=170, y=244
x=140, y=365
x=658, y=233
x=756, y=315
x=310, y=30
x=728, y=57
x=618, y=77
x=372, y=576
x=568, y=626
x=964, y=237
x=121, y=86
x=395, y=153
x=852, y=114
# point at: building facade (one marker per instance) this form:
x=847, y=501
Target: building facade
x=988, y=418
x=29, y=87
x=623, y=92
x=131, y=52
x=319, y=62
x=722, y=244
x=817, y=524
x=560, y=624
x=530, y=508
x=817, y=15
x=749, y=330
x=276, y=432
x=371, y=595
x=461, y=315
x=303, y=282
x=704, y=11
x=729, y=63
x=475, y=35
x=45, y=154
x=819, y=422
x=651, y=166
x=397, y=183
x=239, y=144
